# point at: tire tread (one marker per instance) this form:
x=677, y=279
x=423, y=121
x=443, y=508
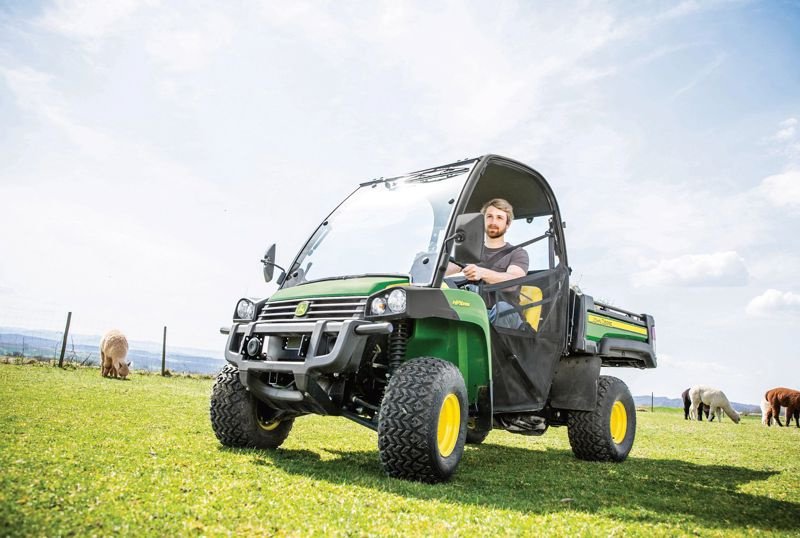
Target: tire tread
x=232, y=413
x=404, y=436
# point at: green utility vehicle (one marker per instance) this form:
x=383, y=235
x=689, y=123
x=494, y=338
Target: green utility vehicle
x=366, y=325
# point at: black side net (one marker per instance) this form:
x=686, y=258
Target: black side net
x=527, y=316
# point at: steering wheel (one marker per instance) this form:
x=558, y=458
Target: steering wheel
x=453, y=260
x=456, y=280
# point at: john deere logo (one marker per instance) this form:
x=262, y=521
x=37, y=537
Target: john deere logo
x=301, y=309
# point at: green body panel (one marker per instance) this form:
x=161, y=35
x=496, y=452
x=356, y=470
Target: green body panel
x=464, y=342
x=357, y=286
x=597, y=331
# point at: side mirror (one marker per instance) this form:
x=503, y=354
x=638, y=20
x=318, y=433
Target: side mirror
x=469, y=238
x=269, y=263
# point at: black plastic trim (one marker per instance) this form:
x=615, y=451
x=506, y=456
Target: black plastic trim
x=622, y=352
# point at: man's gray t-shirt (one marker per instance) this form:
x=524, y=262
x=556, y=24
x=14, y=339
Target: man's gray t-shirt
x=518, y=257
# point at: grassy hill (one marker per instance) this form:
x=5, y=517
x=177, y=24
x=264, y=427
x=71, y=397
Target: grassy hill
x=83, y=455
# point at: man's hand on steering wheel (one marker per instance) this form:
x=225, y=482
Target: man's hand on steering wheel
x=456, y=280
x=473, y=272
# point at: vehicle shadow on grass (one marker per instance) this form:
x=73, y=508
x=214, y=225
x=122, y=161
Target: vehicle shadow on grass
x=551, y=480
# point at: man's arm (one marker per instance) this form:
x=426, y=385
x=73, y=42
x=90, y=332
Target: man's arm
x=516, y=269
x=475, y=273
x=451, y=269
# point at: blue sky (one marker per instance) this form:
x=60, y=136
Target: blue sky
x=151, y=150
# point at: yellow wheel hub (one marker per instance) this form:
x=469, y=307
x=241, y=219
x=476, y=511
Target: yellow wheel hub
x=619, y=422
x=270, y=426
x=265, y=423
x=449, y=425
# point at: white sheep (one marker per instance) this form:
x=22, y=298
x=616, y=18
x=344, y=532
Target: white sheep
x=715, y=399
x=113, y=350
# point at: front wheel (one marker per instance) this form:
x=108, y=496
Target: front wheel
x=422, y=424
x=239, y=419
x=607, y=432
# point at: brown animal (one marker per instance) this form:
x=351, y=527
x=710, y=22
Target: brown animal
x=788, y=398
x=113, y=350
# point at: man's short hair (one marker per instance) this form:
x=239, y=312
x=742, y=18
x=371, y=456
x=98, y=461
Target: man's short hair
x=500, y=204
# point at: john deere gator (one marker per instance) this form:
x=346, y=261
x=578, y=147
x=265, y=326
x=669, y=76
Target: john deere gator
x=366, y=325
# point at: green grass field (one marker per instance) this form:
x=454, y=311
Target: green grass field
x=83, y=456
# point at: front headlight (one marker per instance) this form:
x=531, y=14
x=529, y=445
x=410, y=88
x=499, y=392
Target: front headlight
x=378, y=306
x=245, y=309
x=397, y=301
x=388, y=303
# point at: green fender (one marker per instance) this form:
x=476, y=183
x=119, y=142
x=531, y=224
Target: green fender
x=453, y=325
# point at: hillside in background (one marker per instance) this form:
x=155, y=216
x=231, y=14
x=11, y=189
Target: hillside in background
x=662, y=401
x=85, y=349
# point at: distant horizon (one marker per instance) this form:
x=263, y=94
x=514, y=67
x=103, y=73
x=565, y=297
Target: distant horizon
x=152, y=344
x=98, y=337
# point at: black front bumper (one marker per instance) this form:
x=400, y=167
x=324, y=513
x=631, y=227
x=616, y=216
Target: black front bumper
x=342, y=358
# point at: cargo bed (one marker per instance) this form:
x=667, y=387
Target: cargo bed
x=617, y=336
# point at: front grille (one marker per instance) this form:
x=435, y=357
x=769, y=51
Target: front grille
x=328, y=308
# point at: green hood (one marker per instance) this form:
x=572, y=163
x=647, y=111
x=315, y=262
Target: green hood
x=358, y=286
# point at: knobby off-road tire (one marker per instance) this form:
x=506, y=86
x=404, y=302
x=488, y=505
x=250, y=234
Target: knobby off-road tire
x=239, y=419
x=475, y=437
x=422, y=424
x=607, y=433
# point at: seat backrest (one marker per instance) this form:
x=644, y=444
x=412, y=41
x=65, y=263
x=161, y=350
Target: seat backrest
x=533, y=314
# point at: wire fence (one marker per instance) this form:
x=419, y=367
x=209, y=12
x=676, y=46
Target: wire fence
x=44, y=341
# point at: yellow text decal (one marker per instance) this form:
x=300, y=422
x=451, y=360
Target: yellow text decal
x=614, y=324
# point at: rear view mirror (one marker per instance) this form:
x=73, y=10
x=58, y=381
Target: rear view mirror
x=469, y=238
x=269, y=263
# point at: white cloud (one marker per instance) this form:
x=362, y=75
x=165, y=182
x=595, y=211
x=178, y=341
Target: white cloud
x=785, y=141
x=787, y=131
x=774, y=303
x=717, y=269
x=782, y=190
x=188, y=43
x=34, y=92
x=31, y=88
x=89, y=20
x=780, y=269
x=694, y=366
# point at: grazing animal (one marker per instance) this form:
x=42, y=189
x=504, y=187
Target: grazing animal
x=113, y=350
x=715, y=399
x=687, y=405
x=788, y=398
x=766, y=411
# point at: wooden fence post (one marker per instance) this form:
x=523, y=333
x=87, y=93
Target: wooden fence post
x=64, y=341
x=164, y=353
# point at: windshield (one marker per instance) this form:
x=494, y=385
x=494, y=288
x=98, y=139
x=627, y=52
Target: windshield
x=394, y=226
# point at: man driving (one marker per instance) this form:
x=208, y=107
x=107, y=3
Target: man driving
x=497, y=214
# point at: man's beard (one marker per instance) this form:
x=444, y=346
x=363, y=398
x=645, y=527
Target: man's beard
x=494, y=233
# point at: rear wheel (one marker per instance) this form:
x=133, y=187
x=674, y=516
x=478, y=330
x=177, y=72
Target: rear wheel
x=475, y=436
x=239, y=419
x=422, y=424
x=607, y=432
